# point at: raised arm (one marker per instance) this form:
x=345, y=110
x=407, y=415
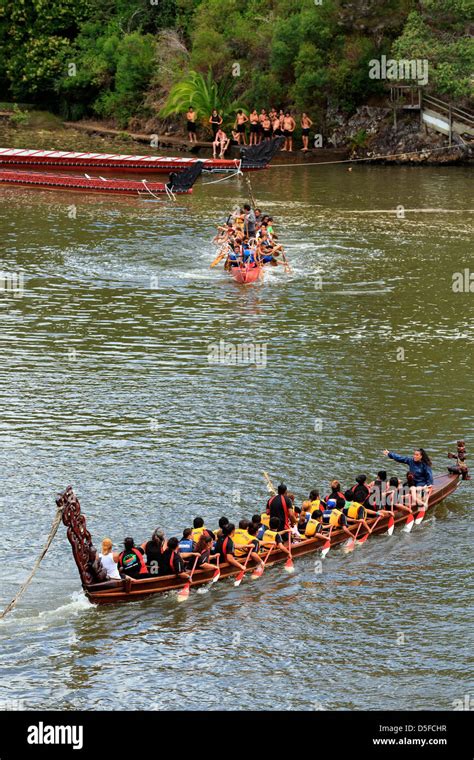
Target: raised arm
x=397, y=457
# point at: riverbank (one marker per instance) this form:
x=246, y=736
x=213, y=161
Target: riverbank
x=369, y=135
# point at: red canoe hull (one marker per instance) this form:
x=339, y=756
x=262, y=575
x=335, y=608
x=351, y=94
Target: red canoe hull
x=83, y=184
x=246, y=275
x=42, y=159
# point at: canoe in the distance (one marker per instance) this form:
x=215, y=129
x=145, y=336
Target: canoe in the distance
x=245, y=273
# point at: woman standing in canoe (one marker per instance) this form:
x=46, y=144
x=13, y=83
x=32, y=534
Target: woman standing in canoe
x=420, y=467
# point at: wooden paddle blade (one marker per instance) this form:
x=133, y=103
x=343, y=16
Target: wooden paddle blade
x=391, y=525
x=325, y=549
x=349, y=546
x=363, y=539
x=289, y=566
x=409, y=524
x=258, y=572
x=238, y=580
x=420, y=516
x=184, y=593
x=216, y=576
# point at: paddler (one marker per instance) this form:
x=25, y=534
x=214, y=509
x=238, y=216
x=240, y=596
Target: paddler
x=336, y=494
x=199, y=528
x=245, y=541
x=280, y=506
x=225, y=547
x=172, y=563
x=273, y=536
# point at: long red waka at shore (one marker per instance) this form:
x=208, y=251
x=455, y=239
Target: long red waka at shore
x=14, y=157
x=251, y=158
x=104, y=185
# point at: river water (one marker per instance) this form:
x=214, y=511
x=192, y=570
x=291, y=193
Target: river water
x=106, y=384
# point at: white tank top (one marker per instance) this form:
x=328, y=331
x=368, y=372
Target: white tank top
x=109, y=565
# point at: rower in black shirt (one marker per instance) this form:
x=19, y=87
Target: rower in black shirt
x=281, y=506
x=360, y=492
x=172, y=562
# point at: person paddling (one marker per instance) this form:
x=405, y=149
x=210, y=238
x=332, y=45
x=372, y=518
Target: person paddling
x=172, y=562
x=280, y=506
x=225, y=546
x=131, y=561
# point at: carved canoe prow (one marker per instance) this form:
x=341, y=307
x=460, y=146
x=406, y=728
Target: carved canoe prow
x=77, y=533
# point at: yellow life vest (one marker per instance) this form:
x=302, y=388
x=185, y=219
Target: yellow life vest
x=197, y=533
x=310, y=506
x=311, y=527
x=353, y=510
x=334, y=516
x=265, y=519
x=241, y=538
x=269, y=537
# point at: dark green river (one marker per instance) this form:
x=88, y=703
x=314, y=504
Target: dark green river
x=106, y=385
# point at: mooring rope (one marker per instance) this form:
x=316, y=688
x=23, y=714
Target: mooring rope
x=52, y=533
x=367, y=158
x=223, y=179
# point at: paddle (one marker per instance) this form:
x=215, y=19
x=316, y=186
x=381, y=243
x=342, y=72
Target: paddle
x=238, y=580
x=420, y=516
x=327, y=544
x=223, y=252
x=390, y=526
x=270, y=487
x=217, y=573
x=365, y=537
x=349, y=546
x=184, y=593
x=258, y=572
x=410, y=521
x=289, y=564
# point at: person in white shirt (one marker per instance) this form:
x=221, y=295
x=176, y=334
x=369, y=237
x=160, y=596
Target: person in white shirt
x=108, y=561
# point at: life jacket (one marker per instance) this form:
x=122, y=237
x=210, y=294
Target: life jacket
x=197, y=533
x=265, y=519
x=352, y=510
x=141, y=560
x=186, y=545
x=310, y=506
x=172, y=559
x=331, y=516
x=269, y=537
x=241, y=538
x=312, y=527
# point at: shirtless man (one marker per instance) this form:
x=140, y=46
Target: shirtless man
x=220, y=141
x=267, y=128
x=289, y=125
x=239, y=126
x=191, y=117
x=254, y=127
x=306, y=124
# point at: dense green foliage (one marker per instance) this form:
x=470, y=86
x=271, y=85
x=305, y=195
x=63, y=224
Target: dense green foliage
x=137, y=58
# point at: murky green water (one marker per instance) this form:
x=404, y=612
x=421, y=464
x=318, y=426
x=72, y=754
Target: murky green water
x=106, y=384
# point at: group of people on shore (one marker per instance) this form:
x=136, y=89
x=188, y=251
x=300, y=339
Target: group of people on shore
x=248, y=237
x=262, y=126
x=281, y=524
